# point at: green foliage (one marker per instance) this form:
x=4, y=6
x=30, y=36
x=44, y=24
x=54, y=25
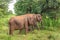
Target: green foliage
x=22, y=6
x=4, y=7
x=4, y=20
x=50, y=23
x=10, y=12
x=34, y=6
x=52, y=33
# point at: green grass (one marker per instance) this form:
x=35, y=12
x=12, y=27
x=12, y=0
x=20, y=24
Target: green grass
x=34, y=35
x=49, y=34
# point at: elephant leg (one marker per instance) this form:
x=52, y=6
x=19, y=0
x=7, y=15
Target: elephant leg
x=20, y=31
x=36, y=27
x=11, y=28
x=26, y=26
x=11, y=31
x=26, y=30
x=29, y=28
x=32, y=27
x=20, y=27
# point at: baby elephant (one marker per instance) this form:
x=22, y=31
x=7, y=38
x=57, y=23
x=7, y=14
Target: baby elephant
x=18, y=23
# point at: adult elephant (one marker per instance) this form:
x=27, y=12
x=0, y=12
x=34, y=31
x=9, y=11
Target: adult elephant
x=18, y=23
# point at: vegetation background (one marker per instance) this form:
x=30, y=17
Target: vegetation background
x=50, y=11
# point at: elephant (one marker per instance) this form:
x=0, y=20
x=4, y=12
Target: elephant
x=18, y=23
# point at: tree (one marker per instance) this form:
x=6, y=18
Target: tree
x=25, y=6
x=4, y=7
x=34, y=6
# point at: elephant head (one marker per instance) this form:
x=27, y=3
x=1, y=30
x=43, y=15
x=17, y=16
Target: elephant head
x=38, y=17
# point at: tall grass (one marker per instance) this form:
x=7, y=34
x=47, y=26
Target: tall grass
x=50, y=23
